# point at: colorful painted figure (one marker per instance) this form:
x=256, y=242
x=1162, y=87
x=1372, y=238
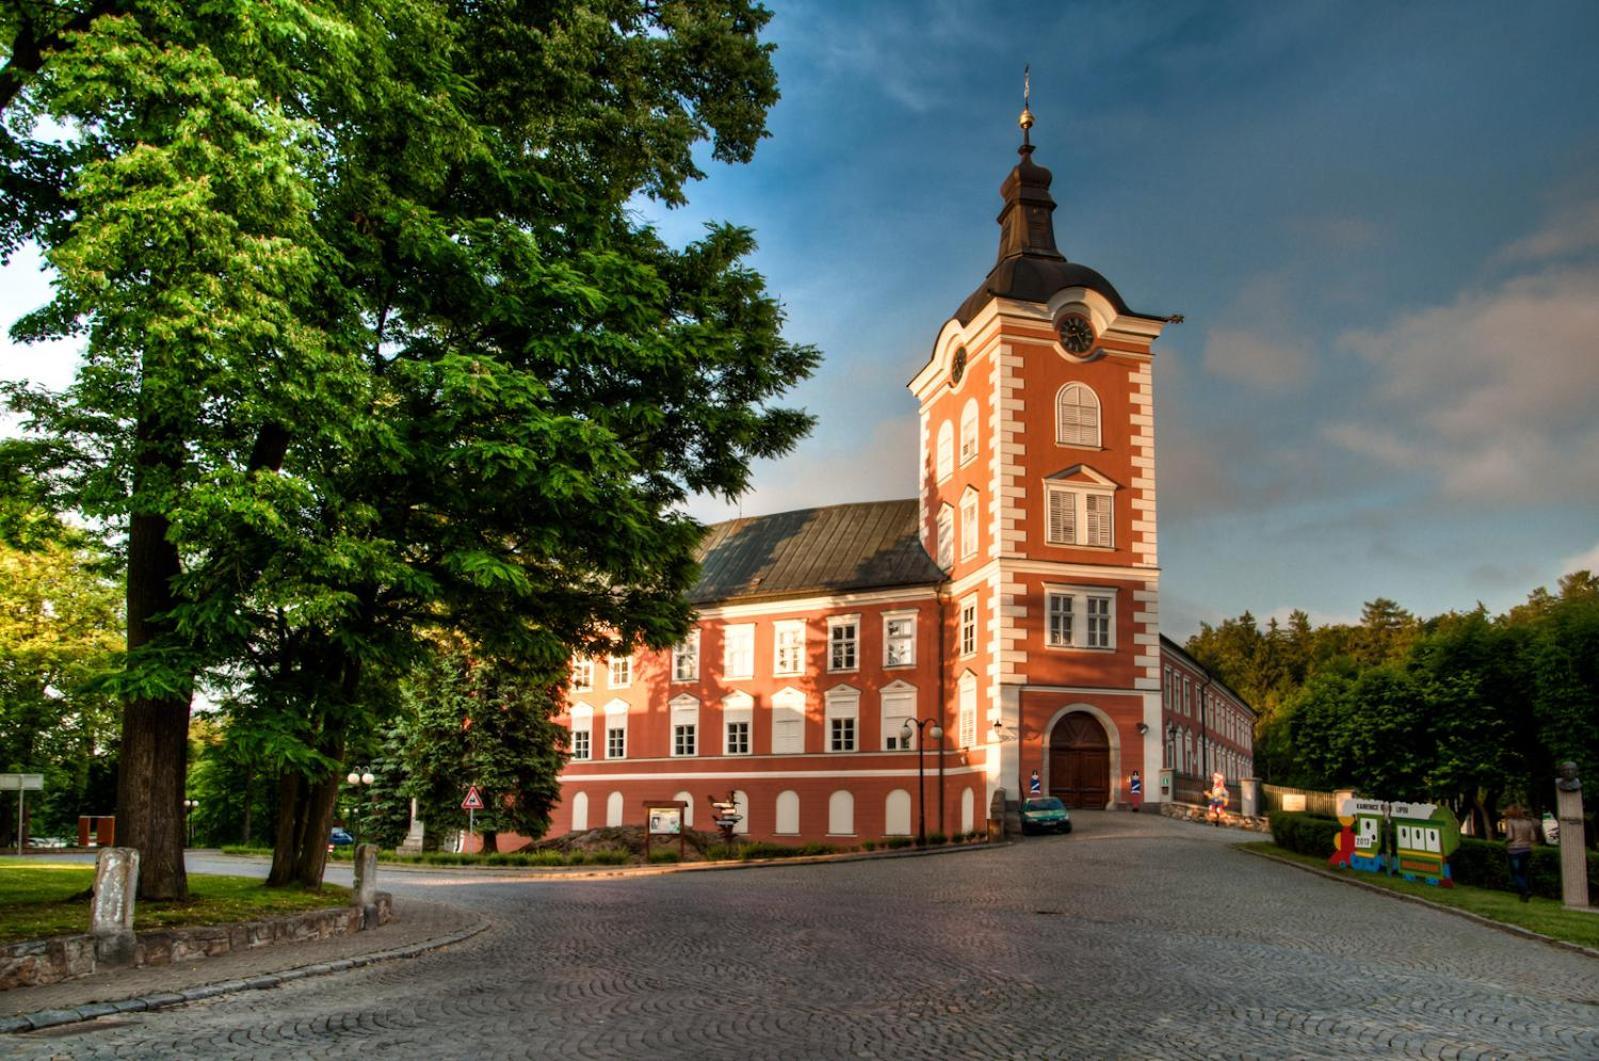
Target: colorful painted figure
x=1218, y=797
x=1359, y=842
x=1425, y=835
x=1135, y=789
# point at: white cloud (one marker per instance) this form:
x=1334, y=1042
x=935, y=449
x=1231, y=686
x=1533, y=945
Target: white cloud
x=1585, y=561
x=1493, y=393
x=1260, y=345
x=1573, y=231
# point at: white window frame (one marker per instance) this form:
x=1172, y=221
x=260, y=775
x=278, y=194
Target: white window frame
x=788, y=706
x=686, y=651
x=1073, y=501
x=787, y=629
x=966, y=626
x=1084, y=425
x=908, y=656
x=969, y=414
x=945, y=452
x=969, y=523
x=738, y=651
x=616, y=723
x=582, y=675
x=896, y=706
x=834, y=622
x=945, y=536
x=1081, y=613
x=684, y=713
x=625, y=664
x=582, y=725
x=966, y=710
x=842, y=703
x=738, y=709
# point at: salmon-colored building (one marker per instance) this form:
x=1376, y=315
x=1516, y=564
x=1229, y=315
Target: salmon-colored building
x=1014, y=603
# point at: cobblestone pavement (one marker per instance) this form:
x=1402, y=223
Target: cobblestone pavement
x=1136, y=936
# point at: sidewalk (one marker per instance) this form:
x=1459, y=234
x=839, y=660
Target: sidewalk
x=416, y=924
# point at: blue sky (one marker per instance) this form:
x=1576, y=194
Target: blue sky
x=1381, y=222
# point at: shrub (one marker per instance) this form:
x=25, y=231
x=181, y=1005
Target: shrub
x=898, y=841
x=609, y=856
x=665, y=856
x=721, y=852
x=937, y=838
x=1304, y=833
x=869, y=845
x=816, y=849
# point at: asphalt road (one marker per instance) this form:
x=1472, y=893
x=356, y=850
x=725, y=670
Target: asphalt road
x=1136, y=937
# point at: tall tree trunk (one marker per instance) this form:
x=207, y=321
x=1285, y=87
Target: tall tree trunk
x=153, y=760
x=317, y=811
x=285, y=841
x=491, y=842
x=249, y=805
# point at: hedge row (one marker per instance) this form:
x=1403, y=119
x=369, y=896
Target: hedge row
x=1480, y=863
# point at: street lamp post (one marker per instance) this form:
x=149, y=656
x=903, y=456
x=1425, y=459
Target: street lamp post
x=937, y=734
x=189, y=806
x=358, y=778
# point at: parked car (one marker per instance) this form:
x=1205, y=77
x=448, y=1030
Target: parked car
x=1045, y=813
x=339, y=838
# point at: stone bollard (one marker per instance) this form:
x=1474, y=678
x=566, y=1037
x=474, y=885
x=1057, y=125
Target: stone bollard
x=116, y=885
x=1573, y=852
x=365, y=893
x=1249, y=797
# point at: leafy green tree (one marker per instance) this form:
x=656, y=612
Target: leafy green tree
x=476, y=722
x=410, y=281
x=60, y=632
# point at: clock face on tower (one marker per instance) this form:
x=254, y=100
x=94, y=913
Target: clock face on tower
x=957, y=367
x=1076, y=334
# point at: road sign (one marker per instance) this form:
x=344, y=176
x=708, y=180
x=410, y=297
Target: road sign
x=21, y=782
x=473, y=801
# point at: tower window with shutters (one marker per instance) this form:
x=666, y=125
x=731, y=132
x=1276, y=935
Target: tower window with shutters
x=1077, y=416
x=1077, y=516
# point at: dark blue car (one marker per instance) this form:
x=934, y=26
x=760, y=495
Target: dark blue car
x=339, y=838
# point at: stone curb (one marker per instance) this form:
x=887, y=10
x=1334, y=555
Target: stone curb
x=539, y=873
x=50, y=1018
x=1514, y=930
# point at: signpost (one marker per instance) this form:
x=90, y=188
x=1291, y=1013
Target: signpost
x=664, y=817
x=21, y=783
x=471, y=804
x=726, y=816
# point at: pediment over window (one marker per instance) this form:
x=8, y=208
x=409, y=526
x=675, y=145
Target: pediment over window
x=1084, y=475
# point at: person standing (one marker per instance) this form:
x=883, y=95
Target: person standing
x=1520, y=832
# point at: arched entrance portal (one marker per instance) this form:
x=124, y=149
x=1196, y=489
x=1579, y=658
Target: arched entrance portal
x=1079, y=761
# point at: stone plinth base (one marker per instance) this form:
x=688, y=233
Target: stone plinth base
x=1188, y=812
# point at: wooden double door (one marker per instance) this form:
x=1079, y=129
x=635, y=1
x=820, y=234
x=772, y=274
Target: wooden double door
x=1079, y=762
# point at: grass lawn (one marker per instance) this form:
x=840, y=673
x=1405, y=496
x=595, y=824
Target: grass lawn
x=36, y=900
x=1545, y=916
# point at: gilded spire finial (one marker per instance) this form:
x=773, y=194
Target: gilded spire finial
x=1026, y=120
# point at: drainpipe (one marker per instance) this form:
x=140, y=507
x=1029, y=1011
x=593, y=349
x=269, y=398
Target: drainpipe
x=1204, y=731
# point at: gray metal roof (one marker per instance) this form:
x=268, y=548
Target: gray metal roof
x=839, y=548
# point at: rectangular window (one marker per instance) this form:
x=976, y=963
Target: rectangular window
x=843, y=735
x=580, y=744
x=1080, y=618
x=683, y=739
x=1078, y=517
x=621, y=672
x=1060, y=619
x=583, y=676
x=1188, y=694
x=968, y=712
x=899, y=640
x=738, y=738
x=616, y=742
x=842, y=644
x=738, y=651
x=946, y=537
x=686, y=659
x=790, y=642
x=1098, y=622
x=969, y=525
x=969, y=626
x=898, y=708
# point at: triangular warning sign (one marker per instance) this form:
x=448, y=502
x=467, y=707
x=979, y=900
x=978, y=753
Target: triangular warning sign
x=473, y=801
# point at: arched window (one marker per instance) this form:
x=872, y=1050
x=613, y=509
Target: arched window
x=787, y=813
x=1077, y=416
x=688, y=811
x=613, y=810
x=741, y=804
x=841, y=814
x=897, y=813
x=946, y=451
x=946, y=536
x=580, y=812
x=969, y=431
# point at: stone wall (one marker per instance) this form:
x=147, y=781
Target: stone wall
x=49, y=961
x=1189, y=812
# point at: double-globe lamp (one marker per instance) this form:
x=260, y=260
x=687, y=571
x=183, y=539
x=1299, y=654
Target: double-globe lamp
x=936, y=732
